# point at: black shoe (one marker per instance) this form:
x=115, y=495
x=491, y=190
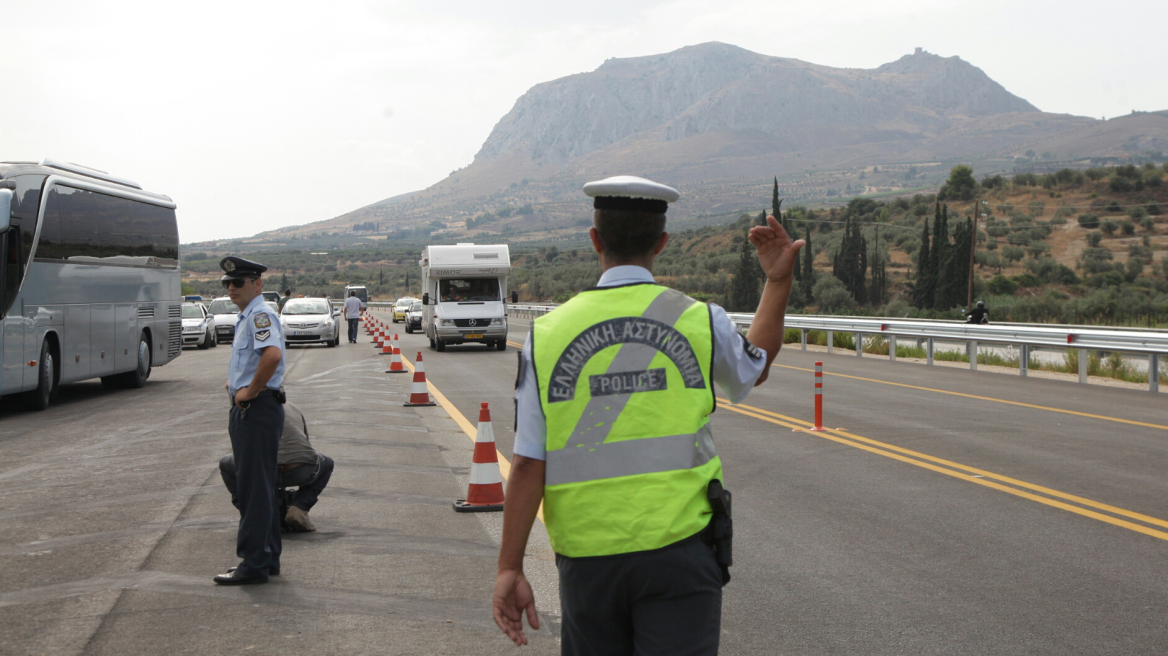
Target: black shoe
x=233, y=578
x=272, y=571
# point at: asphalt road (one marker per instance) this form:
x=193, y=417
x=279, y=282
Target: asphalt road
x=952, y=513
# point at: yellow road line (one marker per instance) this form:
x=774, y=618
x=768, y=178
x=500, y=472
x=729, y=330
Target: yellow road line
x=986, y=398
x=975, y=475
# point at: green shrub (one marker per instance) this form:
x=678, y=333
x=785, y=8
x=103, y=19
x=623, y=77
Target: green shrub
x=1128, y=227
x=1000, y=285
x=1027, y=280
x=1089, y=221
x=1094, y=238
x=1148, y=223
x=1153, y=208
x=1109, y=227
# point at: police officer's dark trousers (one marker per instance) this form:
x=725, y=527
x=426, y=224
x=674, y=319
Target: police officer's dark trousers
x=255, y=438
x=353, y=329
x=662, y=602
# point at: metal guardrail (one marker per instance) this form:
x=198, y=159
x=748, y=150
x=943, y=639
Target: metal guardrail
x=1153, y=343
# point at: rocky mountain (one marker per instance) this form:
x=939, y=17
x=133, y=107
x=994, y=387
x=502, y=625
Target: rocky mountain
x=716, y=87
x=721, y=123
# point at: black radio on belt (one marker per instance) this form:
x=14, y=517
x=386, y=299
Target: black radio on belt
x=721, y=527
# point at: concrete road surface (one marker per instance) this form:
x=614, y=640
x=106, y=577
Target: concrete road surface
x=945, y=512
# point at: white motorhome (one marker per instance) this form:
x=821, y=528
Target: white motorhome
x=463, y=288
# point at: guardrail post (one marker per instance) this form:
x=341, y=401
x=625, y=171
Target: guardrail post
x=830, y=345
x=971, y=351
x=859, y=345
x=1023, y=360
x=1153, y=372
x=892, y=348
x=803, y=338
x=1083, y=366
x=929, y=351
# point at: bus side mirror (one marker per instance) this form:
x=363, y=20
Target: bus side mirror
x=514, y=297
x=5, y=209
x=426, y=298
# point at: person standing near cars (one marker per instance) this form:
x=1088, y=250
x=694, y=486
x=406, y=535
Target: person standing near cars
x=353, y=309
x=614, y=393
x=254, y=379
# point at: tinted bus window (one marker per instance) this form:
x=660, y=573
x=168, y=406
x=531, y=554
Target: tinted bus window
x=82, y=223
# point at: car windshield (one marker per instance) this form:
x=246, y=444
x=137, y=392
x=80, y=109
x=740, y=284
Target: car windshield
x=416, y=307
x=223, y=307
x=306, y=306
x=191, y=312
x=469, y=289
x=404, y=304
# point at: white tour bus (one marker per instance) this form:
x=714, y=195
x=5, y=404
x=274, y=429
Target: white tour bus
x=463, y=288
x=90, y=282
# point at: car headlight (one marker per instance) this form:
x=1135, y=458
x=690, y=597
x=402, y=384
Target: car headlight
x=448, y=322
x=328, y=323
x=496, y=322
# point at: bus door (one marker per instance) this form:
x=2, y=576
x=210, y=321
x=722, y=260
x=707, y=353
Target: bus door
x=11, y=274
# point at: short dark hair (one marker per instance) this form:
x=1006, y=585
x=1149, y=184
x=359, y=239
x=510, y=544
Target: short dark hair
x=628, y=235
x=352, y=292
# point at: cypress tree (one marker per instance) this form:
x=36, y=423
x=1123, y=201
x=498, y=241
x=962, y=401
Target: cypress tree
x=923, y=289
x=744, y=286
x=879, y=275
x=851, y=260
x=954, y=276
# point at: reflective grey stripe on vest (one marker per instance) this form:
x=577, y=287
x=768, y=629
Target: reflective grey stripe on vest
x=649, y=455
x=601, y=412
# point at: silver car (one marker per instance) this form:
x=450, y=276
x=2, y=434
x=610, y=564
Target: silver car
x=310, y=321
x=225, y=314
x=198, y=326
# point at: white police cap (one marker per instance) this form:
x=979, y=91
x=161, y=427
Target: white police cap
x=627, y=192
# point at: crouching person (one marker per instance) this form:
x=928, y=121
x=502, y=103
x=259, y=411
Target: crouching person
x=298, y=465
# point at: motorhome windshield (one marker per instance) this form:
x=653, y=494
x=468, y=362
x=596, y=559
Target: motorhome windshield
x=468, y=289
x=223, y=306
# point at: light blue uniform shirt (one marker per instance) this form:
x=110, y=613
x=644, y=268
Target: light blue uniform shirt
x=256, y=329
x=735, y=370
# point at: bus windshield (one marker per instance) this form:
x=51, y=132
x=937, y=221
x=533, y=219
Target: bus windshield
x=306, y=306
x=469, y=289
x=222, y=306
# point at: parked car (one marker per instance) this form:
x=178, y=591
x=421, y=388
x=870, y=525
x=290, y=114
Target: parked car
x=310, y=321
x=225, y=314
x=401, y=307
x=414, y=317
x=271, y=296
x=198, y=326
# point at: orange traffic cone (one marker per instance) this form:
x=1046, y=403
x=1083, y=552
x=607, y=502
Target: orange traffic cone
x=485, y=492
x=395, y=361
x=420, y=394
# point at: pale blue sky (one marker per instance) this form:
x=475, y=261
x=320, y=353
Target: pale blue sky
x=254, y=116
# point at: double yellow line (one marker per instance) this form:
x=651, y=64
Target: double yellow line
x=1044, y=495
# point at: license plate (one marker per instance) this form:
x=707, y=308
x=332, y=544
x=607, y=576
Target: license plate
x=473, y=336
x=301, y=332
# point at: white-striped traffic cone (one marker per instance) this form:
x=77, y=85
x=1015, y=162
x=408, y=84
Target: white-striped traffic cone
x=395, y=361
x=420, y=394
x=485, y=492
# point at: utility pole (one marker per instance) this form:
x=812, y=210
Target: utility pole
x=973, y=248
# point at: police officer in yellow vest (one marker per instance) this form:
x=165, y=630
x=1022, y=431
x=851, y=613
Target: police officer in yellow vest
x=614, y=393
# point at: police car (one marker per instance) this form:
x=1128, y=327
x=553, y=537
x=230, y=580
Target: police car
x=198, y=326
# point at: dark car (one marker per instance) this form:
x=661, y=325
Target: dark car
x=414, y=317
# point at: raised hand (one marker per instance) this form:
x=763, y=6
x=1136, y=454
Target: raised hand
x=513, y=596
x=776, y=250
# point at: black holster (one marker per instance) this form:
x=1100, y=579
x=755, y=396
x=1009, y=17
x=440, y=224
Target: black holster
x=720, y=532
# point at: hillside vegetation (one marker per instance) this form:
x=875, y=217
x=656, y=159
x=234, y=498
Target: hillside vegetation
x=1073, y=246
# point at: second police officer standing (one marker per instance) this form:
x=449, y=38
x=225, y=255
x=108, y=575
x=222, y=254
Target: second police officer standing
x=613, y=396
x=254, y=380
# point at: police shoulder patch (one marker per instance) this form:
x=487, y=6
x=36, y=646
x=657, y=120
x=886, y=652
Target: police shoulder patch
x=751, y=350
x=262, y=320
x=263, y=335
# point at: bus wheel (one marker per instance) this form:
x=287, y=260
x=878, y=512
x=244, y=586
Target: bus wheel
x=39, y=398
x=137, y=377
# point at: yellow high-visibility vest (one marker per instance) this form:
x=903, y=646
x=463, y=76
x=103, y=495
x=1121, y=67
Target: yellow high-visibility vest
x=625, y=385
